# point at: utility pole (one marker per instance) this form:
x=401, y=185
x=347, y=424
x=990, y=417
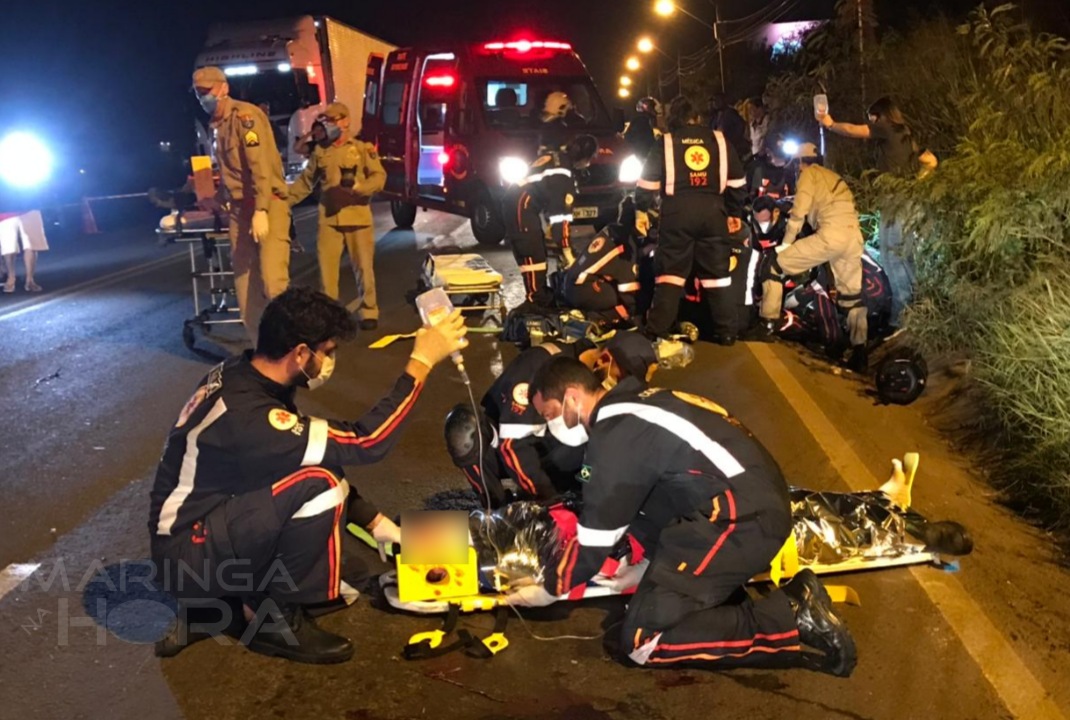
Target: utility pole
x=679, y=75
x=861, y=49
x=717, y=37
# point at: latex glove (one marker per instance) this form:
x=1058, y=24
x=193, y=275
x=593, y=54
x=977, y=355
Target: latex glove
x=435, y=343
x=642, y=223
x=826, y=120
x=567, y=256
x=734, y=225
x=259, y=226
x=530, y=596
x=384, y=531
x=627, y=576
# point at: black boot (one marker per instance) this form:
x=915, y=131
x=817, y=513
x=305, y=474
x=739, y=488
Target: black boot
x=292, y=634
x=198, y=621
x=819, y=627
x=859, y=360
x=764, y=332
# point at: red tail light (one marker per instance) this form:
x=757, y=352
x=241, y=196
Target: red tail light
x=525, y=46
x=443, y=158
x=440, y=81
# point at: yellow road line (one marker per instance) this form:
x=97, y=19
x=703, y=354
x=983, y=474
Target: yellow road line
x=1017, y=687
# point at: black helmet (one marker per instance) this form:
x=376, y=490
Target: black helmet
x=901, y=377
x=648, y=106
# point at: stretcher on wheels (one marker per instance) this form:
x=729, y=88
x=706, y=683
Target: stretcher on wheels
x=211, y=275
x=833, y=533
x=472, y=284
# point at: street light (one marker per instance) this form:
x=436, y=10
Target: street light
x=665, y=8
x=632, y=64
x=645, y=45
x=625, y=81
x=624, y=92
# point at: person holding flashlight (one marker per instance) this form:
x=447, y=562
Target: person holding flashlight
x=250, y=169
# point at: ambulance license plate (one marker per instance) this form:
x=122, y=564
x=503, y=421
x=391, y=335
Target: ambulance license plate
x=585, y=213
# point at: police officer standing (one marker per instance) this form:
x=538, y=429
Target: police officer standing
x=823, y=199
x=250, y=169
x=702, y=187
x=349, y=173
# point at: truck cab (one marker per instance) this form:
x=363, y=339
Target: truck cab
x=458, y=124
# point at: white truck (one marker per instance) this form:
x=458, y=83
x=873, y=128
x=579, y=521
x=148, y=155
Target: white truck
x=294, y=68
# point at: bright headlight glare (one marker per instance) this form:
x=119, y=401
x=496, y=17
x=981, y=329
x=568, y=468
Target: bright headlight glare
x=25, y=161
x=790, y=148
x=512, y=170
x=630, y=170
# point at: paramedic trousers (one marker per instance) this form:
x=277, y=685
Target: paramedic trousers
x=359, y=242
x=718, y=624
x=600, y=301
x=694, y=237
x=281, y=542
x=261, y=270
x=524, y=233
x=842, y=249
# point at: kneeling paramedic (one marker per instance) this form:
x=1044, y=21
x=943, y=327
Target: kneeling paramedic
x=710, y=503
x=546, y=193
x=249, y=488
x=702, y=187
x=524, y=457
x=604, y=281
x=823, y=199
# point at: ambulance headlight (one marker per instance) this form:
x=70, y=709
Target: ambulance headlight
x=512, y=170
x=25, y=161
x=631, y=170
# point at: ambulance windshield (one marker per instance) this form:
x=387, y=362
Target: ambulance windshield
x=517, y=103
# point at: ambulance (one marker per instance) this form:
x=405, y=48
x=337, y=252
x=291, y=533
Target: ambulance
x=457, y=124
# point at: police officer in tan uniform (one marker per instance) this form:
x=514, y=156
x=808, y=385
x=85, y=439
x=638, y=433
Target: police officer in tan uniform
x=251, y=172
x=349, y=173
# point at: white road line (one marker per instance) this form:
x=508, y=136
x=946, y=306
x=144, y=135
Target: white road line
x=1016, y=686
x=29, y=306
x=14, y=574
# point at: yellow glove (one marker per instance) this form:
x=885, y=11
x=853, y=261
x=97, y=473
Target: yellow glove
x=567, y=256
x=259, y=226
x=642, y=223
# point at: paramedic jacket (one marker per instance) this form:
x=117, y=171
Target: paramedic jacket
x=528, y=452
x=242, y=432
x=688, y=162
x=608, y=268
x=552, y=189
x=680, y=472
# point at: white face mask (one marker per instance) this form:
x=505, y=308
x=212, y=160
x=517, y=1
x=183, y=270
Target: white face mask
x=764, y=225
x=326, y=370
x=573, y=437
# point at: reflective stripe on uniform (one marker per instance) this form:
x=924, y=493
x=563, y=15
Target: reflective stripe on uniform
x=670, y=280
x=738, y=183
x=602, y=262
x=188, y=472
x=326, y=500
x=752, y=272
x=654, y=185
x=534, y=267
x=544, y=174
x=516, y=431
x=670, y=166
x=716, y=282
x=554, y=219
x=681, y=428
x=722, y=152
x=317, y=442
x=590, y=537
x=628, y=287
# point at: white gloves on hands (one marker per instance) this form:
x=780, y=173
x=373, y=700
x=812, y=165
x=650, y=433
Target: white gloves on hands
x=530, y=596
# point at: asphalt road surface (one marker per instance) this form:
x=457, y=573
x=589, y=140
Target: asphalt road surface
x=94, y=372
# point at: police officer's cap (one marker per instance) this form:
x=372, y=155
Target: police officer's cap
x=807, y=151
x=633, y=353
x=206, y=77
x=336, y=111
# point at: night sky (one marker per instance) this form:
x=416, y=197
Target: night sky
x=108, y=78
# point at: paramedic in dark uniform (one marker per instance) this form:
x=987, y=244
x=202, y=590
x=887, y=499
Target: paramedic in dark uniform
x=701, y=183
x=524, y=457
x=715, y=511
x=604, y=281
x=348, y=173
x=250, y=487
x=250, y=170
x=546, y=193
x=642, y=132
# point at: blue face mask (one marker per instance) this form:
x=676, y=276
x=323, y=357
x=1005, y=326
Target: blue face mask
x=332, y=131
x=209, y=102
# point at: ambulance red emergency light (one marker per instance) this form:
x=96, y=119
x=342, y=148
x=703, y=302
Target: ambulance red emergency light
x=457, y=124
